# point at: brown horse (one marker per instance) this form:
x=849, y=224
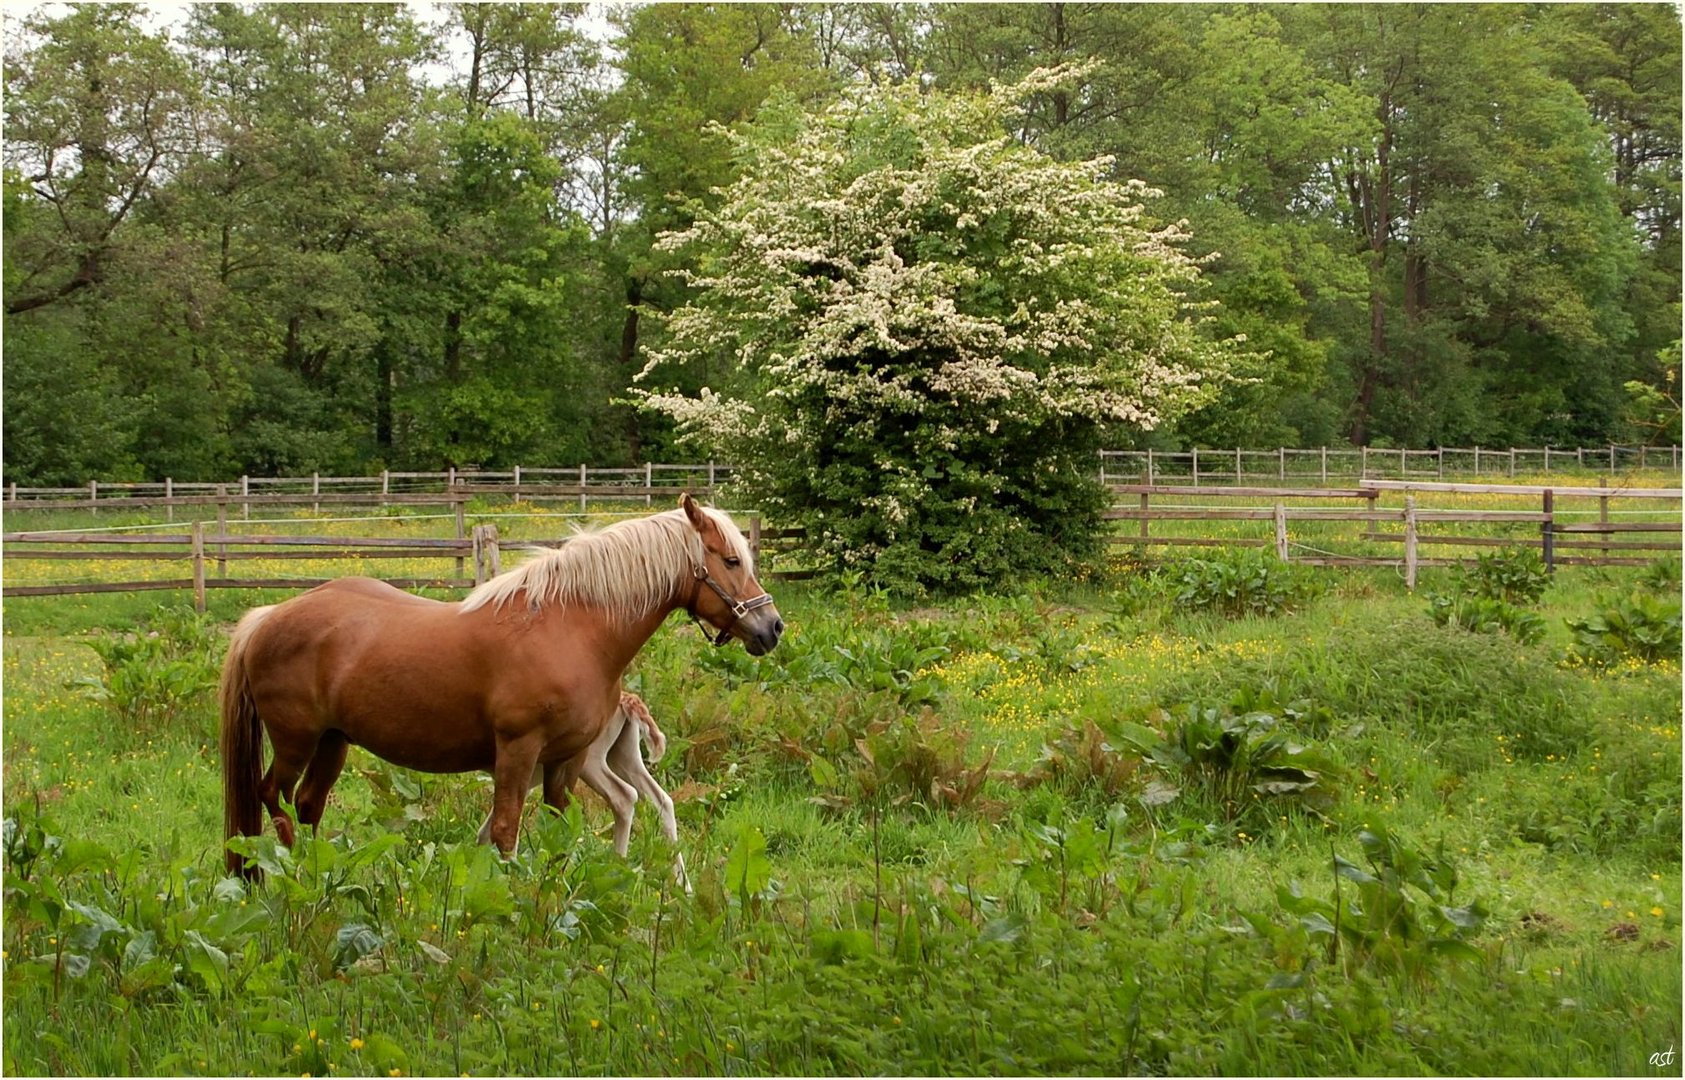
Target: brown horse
x=520, y=678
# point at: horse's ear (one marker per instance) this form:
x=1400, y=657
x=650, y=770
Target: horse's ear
x=692, y=511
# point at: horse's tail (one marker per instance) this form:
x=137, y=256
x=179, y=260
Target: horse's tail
x=242, y=744
x=637, y=712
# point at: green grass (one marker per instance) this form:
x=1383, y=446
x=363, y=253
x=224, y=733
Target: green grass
x=1065, y=916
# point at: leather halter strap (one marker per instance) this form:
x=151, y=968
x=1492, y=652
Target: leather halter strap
x=739, y=608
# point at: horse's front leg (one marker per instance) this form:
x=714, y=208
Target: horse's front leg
x=539, y=772
x=512, y=774
x=558, y=777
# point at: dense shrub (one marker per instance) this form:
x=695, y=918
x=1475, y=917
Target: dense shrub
x=918, y=330
x=1513, y=575
x=1243, y=582
x=1639, y=628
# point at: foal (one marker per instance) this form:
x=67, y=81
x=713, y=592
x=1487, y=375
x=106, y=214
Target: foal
x=614, y=768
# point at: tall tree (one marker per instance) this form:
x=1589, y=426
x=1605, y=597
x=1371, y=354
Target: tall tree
x=94, y=120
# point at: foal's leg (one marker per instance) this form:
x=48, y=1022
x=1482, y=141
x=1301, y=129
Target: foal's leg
x=319, y=777
x=594, y=770
x=626, y=758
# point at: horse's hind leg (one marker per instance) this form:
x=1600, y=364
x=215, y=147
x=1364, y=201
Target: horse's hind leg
x=278, y=783
x=319, y=777
x=620, y=796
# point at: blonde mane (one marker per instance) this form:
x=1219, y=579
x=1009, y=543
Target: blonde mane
x=628, y=569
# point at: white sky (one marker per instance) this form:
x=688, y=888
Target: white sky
x=172, y=15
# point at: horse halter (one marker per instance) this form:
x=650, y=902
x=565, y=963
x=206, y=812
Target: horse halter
x=739, y=608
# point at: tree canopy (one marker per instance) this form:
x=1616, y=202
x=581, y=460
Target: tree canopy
x=282, y=238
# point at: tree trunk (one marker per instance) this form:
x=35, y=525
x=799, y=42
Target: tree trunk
x=628, y=357
x=453, y=348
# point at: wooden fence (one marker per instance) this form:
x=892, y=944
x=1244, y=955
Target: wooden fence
x=650, y=481
x=1592, y=535
x=641, y=484
x=203, y=552
x=1562, y=541
x=1324, y=465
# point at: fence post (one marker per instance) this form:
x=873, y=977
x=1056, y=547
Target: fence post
x=1325, y=466
x=1603, y=512
x=710, y=479
x=1547, y=529
x=494, y=558
x=1144, y=518
x=460, y=507
x=476, y=545
x=1102, y=468
x=1611, y=457
x=1441, y=464
x=221, y=530
x=1403, y=464
x=1363, y=473
x=1477, y=464
x=245, y=499
x=385, y=484
x=517, y=483
x=93, y=494
x=1281, y=531
x=1512, y=463
x=1150, y=479
x=649, y=482
x=1281, y=453
x=1237, y=477
x=1196, y=466
x=199, y=567
x=582, y=487
x=315, y=489
x=755, y=541
x=169, y=493
x=1410, y=542
x=1547, y=457
x=1580, y=456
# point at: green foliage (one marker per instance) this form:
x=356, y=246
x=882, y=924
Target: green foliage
x=1240, y=583
x=1397, y=916
x=1513, y=575
x=1662, y=576
x=1487, y=615
x=1076, y=921
x=1240, y=760
x=157, y=677
x=1639, y=628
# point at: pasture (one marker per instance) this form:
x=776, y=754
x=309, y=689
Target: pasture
x=1127, y=825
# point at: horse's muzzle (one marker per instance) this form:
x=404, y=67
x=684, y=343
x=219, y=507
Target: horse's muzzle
x=763, y=636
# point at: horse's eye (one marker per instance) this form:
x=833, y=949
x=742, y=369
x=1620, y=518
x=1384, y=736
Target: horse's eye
x=732, y=562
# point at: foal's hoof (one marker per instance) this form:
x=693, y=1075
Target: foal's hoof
x=284, y=829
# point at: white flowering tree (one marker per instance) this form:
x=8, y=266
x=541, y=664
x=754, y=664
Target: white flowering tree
x=915, y=332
